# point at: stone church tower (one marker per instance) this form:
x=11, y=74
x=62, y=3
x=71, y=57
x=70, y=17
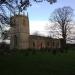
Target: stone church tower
x=19, y=32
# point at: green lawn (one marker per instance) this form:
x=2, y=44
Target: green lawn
x=38, y=64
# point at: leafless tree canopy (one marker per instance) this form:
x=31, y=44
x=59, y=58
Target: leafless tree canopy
x=62, y=17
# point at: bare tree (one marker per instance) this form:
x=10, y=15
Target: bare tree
x=62, y=17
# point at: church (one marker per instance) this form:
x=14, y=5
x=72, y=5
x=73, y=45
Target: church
x=21, y=39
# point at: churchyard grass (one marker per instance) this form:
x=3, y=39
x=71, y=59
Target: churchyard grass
x=39, y=63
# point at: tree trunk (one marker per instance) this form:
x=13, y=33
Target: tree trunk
x=64, y=36
x=63, y=43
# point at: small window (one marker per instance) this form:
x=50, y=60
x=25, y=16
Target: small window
x=53, y=44
x=41, y=45
x=47, y=43
x=33, y=44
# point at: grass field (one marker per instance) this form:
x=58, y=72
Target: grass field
x=38, y=64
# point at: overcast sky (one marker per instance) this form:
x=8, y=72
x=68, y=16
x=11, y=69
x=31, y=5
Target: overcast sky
x=39, y=13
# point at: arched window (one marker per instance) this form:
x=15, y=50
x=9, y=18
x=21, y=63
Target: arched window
x=47, y=43
x=33, y=44
x=41, y=44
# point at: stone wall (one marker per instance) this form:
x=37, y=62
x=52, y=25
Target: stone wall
x=38, y=42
